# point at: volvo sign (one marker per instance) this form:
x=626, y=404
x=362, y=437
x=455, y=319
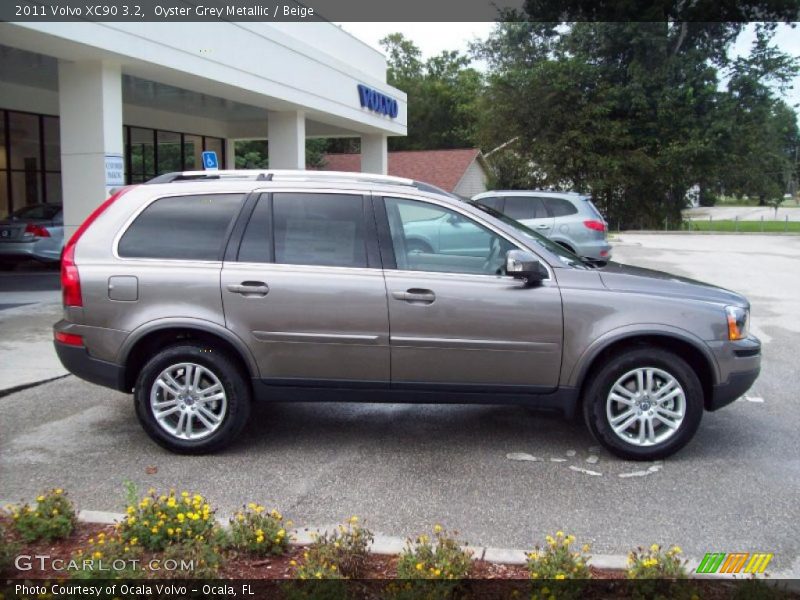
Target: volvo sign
x=377, y=102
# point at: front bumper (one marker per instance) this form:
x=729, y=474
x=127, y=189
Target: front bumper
x=740, y=365
x=736, y=386
x=78, y=361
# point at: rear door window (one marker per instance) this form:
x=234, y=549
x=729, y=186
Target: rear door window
x=490, y=201
x=525, y=208
x=182, y=228
x=319, y=229
x=558, y=207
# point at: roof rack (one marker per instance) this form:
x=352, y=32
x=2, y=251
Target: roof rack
x=279, y=175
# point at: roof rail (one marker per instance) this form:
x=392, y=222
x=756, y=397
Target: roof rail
x=279, y=175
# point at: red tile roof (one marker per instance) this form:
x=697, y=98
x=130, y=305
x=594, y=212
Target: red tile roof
x=442, y=168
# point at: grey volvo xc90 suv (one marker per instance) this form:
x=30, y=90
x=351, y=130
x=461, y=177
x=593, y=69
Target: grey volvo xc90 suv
x=202, y=291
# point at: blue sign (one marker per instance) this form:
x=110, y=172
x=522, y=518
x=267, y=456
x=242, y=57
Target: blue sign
x=377, y=102
x=210, y=162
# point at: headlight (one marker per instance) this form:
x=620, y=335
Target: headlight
x=738, y=322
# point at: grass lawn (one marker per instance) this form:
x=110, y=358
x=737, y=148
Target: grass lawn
x=744, y=226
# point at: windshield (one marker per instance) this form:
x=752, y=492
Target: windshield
x=567, y=257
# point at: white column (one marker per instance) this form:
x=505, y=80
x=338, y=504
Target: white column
x=90, y=110
x=230, y=154
x=374, y=154
x=287, y=140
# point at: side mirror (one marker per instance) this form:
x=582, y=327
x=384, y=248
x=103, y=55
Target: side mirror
x=526, y=266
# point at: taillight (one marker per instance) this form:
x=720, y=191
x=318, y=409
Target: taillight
x=70, y=280
x=595, y=225
x=36, y=230
x=70, y=339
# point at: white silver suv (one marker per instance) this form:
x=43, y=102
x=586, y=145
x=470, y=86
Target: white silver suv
x=567, y=218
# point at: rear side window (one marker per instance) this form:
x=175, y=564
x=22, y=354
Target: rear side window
x=524, y=207
x=181, y=227
x=558, y=207
x=319, y=229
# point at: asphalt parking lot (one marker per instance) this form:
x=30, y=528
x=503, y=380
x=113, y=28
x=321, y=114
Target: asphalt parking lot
x=406, y=467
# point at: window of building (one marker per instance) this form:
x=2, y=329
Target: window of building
x=30, y=161
x=30, y=157
x=181, y=228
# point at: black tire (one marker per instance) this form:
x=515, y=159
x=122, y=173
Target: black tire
x=230, y=376
x=418, y=246
x=599, y=388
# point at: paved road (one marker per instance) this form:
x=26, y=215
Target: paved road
x=735, y=488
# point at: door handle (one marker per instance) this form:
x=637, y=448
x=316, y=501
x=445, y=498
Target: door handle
x=415, y=296
x=542, y=226
x=249, y=288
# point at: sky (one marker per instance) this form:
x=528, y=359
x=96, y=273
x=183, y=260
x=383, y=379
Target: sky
x=432, y=38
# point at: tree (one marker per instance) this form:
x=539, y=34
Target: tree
x=443, y=93
x=254, y=154
x=628, y=111
x=763, y=139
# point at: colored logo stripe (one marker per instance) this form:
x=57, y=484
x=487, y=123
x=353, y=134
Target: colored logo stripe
x=758, y=563
x=721, y=562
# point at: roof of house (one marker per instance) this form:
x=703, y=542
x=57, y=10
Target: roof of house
x=442, y=168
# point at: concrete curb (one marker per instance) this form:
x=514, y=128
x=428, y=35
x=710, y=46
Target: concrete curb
x=392, y=545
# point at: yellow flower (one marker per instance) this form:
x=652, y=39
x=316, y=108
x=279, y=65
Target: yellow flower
x=59, y=491
x=559, y=534
x=131, y=520
x=560, y=576
x=437, y=528
x=655, y=548
x=251, y=505
x=419, y=566
x=550, y=539
x=354, y=519
x=154, y=529
x=586, y=548
x=130, y=510
x=281, y=533
x=677, y=549
x=437, y=572
x=170, y=531
x=171, y=503
x=40, y=498
x=181, y=517
x=184, y=494
x=133, y=541
x=55, y=511
x=97, y=555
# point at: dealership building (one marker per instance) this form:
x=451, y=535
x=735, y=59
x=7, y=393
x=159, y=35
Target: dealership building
x=85, y=107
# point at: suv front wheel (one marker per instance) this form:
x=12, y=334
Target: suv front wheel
x=192, y=399
x=644, y=404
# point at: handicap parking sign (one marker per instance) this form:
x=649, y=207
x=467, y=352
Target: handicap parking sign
x=210, y=160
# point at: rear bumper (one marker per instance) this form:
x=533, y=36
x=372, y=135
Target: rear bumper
x=76, y=360
x=599, y=250
x=14, y=251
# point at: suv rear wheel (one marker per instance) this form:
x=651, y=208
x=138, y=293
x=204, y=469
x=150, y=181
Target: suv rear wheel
x=192, y=399
x=644, y=404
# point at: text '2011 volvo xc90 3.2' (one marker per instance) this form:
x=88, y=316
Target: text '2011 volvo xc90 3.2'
x=200, y=292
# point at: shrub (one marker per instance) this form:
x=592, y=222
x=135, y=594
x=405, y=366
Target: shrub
x=52, y=518
x=201, y=560
x=442, y=558
x=341, y=553
x=656, y=563
x=254, y=530
x=158, y=521
x=656, y=570
x=8, y=548
x=108, y=557
x=557, y=560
